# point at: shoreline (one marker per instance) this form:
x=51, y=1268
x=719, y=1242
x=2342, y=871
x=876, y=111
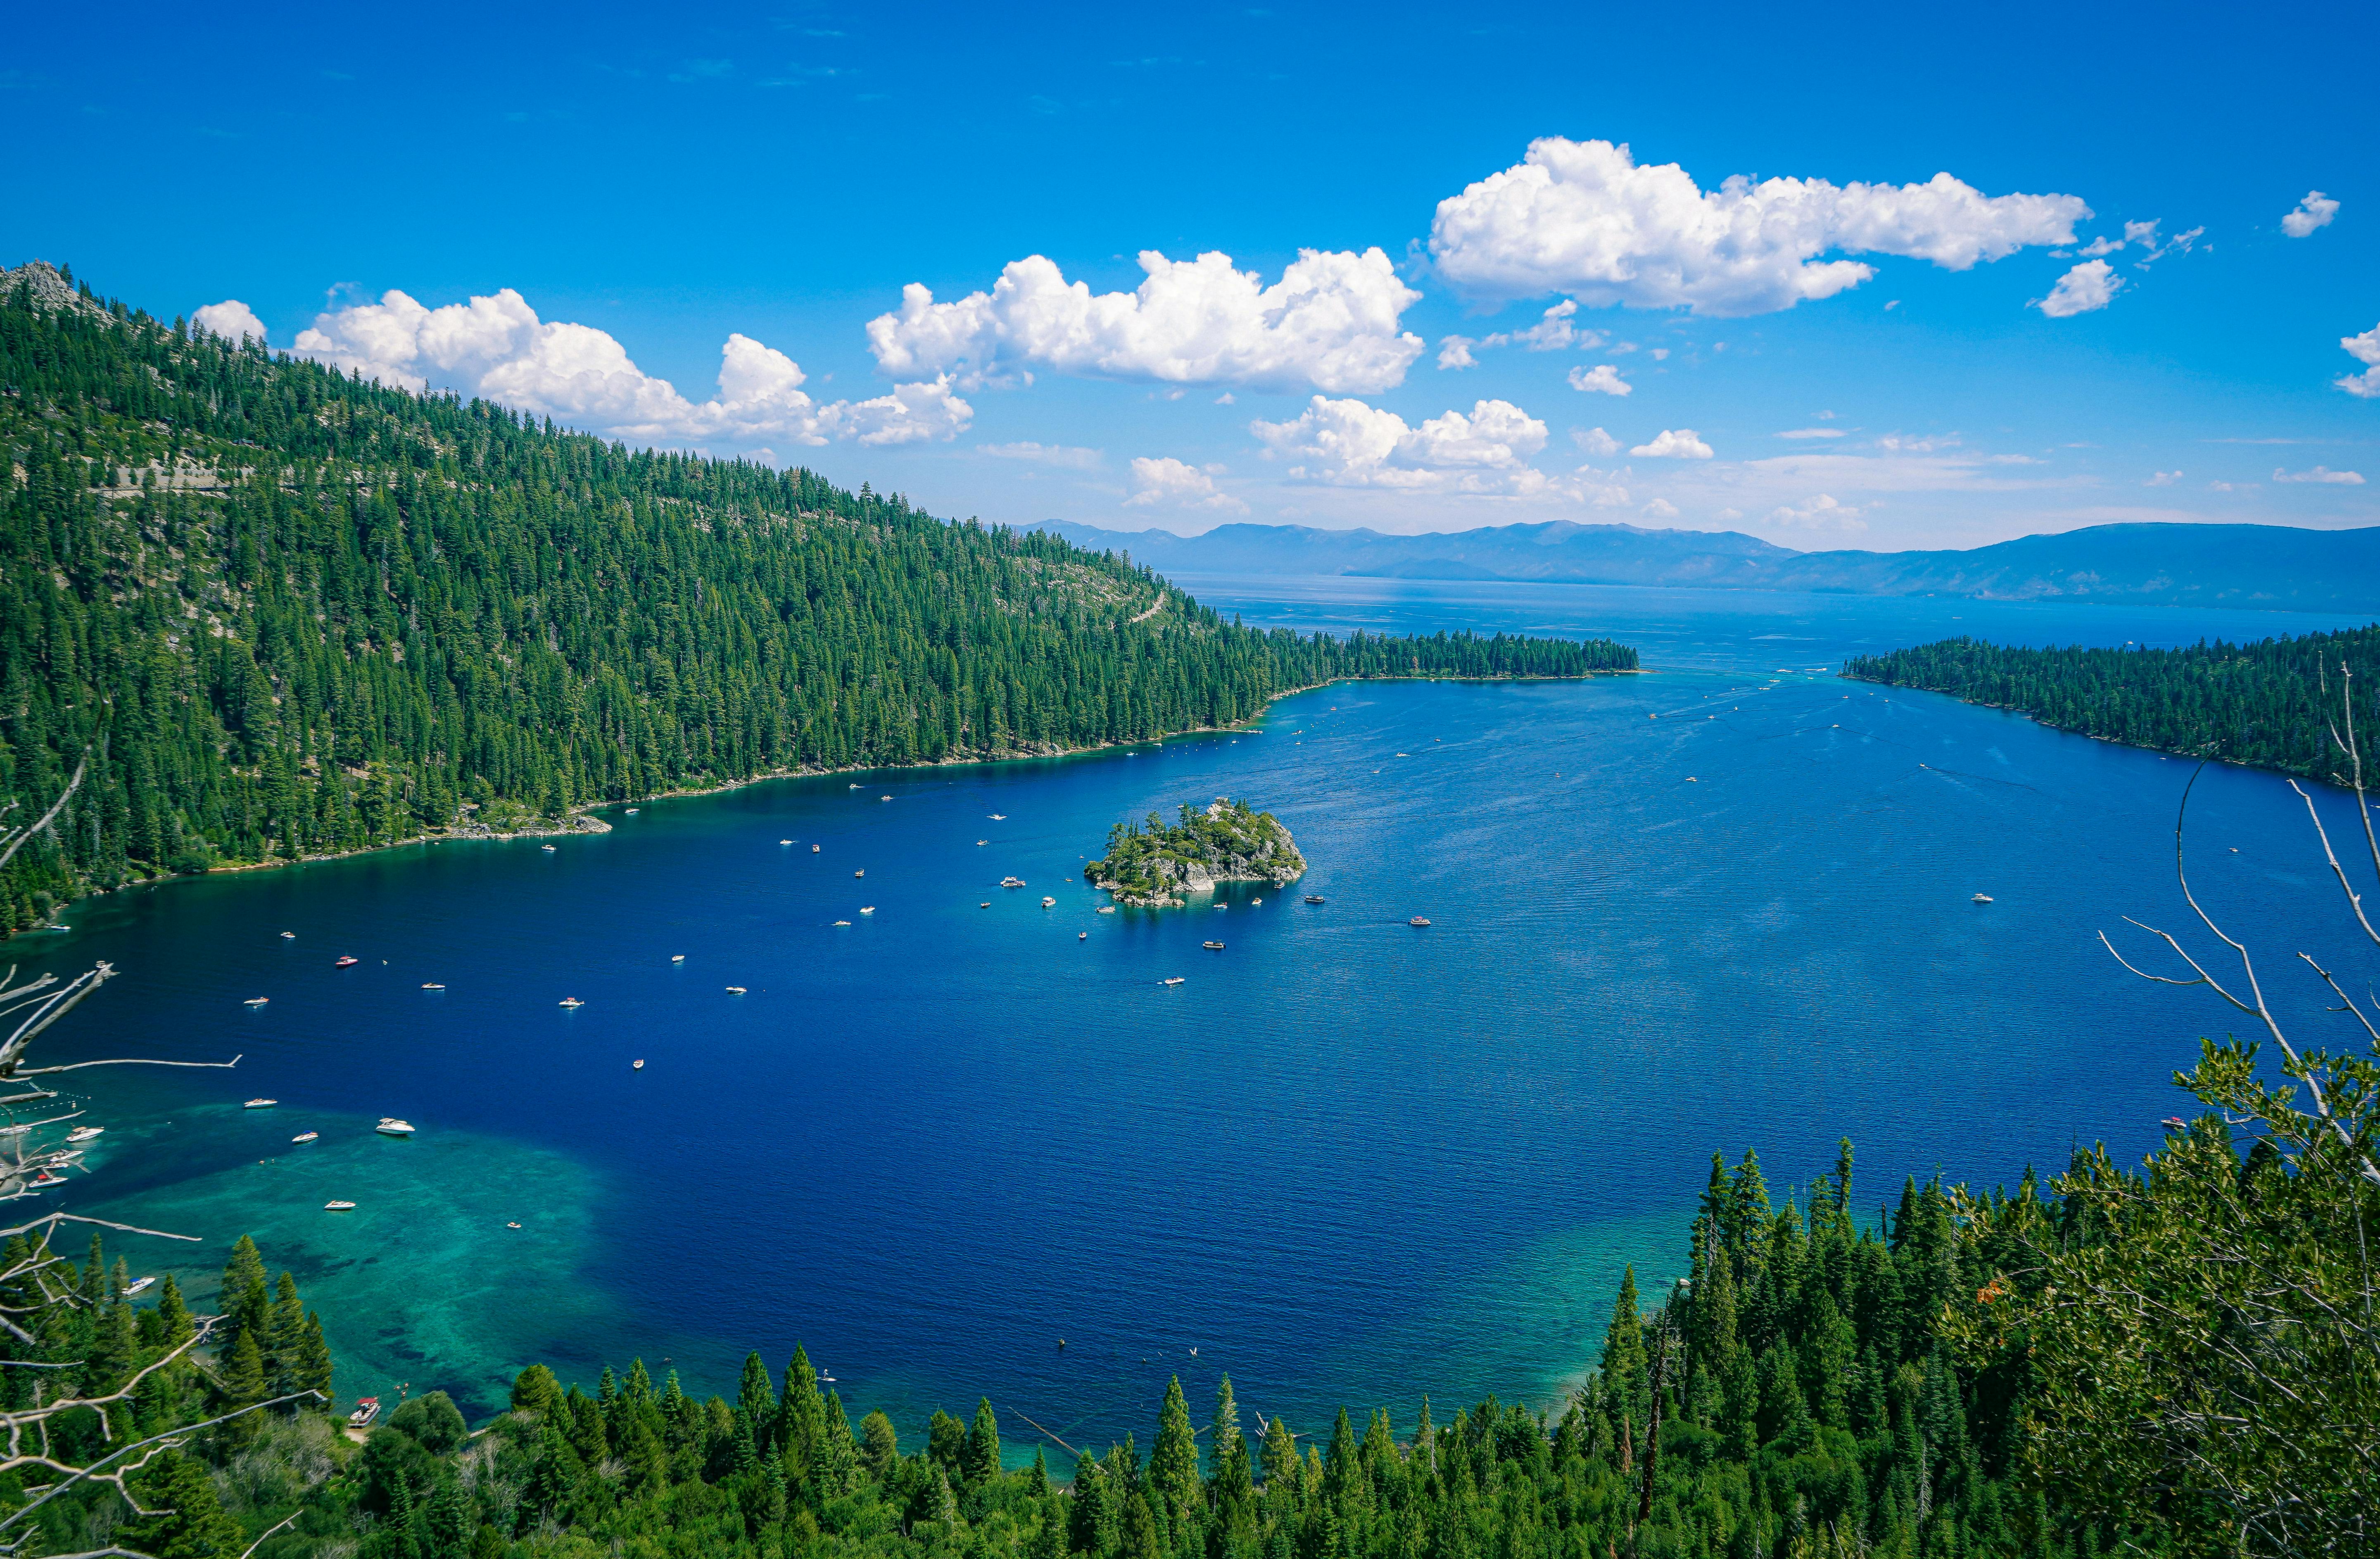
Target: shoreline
x=583, y=819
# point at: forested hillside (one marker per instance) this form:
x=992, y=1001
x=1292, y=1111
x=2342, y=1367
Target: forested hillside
x=285, y=613
x=2269, y=704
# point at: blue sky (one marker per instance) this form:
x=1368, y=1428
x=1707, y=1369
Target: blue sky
x=1861, y=357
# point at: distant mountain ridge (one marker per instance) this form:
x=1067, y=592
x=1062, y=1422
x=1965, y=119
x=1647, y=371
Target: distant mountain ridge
x=2266, y=565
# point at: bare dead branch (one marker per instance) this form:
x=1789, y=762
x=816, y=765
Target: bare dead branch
x=10, y=844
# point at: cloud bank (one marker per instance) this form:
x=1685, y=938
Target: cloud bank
x=1584, y=219
x=1170, y=482
x=495, y=347
x=1330, y=323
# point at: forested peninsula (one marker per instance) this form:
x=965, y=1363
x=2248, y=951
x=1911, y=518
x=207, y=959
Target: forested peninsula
x=286, y=613
x=2269, y=704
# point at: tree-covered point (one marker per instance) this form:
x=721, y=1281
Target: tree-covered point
x=2267, y=704
x=287, y=613
x=1224, y=842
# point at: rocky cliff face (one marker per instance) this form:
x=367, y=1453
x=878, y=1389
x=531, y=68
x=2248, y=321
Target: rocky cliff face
x=1158, y=865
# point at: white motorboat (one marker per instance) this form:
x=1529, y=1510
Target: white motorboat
x=391, y=1127
x=739, y=990
x=570, y=1002
x=256, y=1001
x=1176, y=980
x=1980, y=898
x=306, y=1137
x=340, y=1207
x=260, y=1103
x=1048, y=902
x=139, y=1285
x=84, y=1133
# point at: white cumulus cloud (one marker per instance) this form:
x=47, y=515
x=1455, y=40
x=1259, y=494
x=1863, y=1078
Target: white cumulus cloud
x=1595, y=441
x=1660, y=508
x=2321, y=474
x=2314, y=210
x=1351, y=443
x=1456, y=352
x=2092, y=285
x=1675, y=443
x=1331, y=322
x=2162, y=479
x=1584, y=218
x=1602, y=379
x=2364, y=348
x=230, y=319
x=1168, y=483
x=497, y=348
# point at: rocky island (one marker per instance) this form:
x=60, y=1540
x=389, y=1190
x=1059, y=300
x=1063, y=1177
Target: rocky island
x=1152, y=864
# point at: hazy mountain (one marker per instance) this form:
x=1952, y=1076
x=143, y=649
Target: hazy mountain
x=2270, y=565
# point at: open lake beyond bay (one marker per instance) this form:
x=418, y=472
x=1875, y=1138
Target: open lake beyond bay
x=1724, y=904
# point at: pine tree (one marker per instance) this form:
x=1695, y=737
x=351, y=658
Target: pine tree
x=802, y=1415
x=243, y=1371
x=286, y=1337
x=1173, y=1460
x=174, y=1317
x=1625, y=1370
x=757, y=1399
x=313, y=1368
x=189, y=1521
x=1227, y=1449
x=980, y=1463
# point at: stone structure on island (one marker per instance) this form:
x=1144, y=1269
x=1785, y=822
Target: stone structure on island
x=1153, y=865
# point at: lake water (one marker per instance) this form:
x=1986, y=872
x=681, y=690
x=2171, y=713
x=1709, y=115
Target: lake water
x=1724, y=904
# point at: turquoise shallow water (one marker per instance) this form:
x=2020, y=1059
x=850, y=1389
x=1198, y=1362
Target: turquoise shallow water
x=1345, y=1161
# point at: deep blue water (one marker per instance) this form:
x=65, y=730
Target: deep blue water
x=1346, y=1160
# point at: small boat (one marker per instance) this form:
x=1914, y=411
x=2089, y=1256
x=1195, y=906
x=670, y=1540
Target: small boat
x=1107, y=908
x=431, y=985
x=842, y=922
x=637, y=1066
x=814, y=849
x=346, y=1207
x=884, y=797
x=867, y=910
x=1313, y=898
x=1254, y=902
x=854, y=787
x=739, y=990
x=1000, y=817
x=861, y=872
x=1213, y=946
x=1222, y=906
x=1174, y=981
x=84, y=1133
x=306, y=1137
x=367, y=1408
x=570, y=1002
x=512, y=1225
x=1082, y=936
x=139, y=1285
x=391, y=1127
x=784, y=841
x=46, y=1179
x=677, y=958
x=632, y=811
x=547, y=848
x=1012, y=881
x=288, y=936
x=345, y=960
x=256, y=1001
x=984, y=905
x=260, y=1103
x=983, y=840
x=2174, y=1123
x=1418, y=920
x=1048, y=902
x=1980, y=898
